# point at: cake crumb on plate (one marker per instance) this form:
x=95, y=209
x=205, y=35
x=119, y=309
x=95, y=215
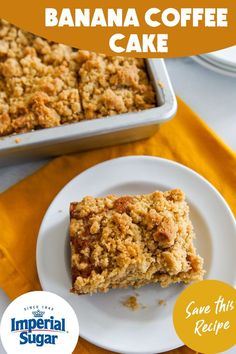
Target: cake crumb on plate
x=162, y=302
x=132, y=303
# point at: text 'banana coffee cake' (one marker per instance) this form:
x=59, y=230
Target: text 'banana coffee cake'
x=117, y=242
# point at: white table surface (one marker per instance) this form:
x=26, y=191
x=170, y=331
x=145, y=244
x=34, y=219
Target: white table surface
x=211, y=95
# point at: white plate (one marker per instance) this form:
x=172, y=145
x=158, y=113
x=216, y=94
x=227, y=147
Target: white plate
x=218, y=68
x=104, y=321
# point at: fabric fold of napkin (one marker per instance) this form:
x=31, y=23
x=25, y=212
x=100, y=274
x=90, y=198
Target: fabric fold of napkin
x=185, y=139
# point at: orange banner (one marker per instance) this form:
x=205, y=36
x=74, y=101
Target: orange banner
x=164, y=28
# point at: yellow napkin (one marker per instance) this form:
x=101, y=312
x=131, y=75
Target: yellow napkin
x=185, y=139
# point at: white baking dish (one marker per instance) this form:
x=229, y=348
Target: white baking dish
x=97, y=132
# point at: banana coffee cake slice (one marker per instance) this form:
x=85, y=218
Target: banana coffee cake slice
x=117, y=242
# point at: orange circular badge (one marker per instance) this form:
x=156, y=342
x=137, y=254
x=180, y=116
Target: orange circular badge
x=205, y=316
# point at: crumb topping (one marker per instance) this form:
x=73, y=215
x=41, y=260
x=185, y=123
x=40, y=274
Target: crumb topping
x=111, y=85
x=44, y=84
x=131, y=241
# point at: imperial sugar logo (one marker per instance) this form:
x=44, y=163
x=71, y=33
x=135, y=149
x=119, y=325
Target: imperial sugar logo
x=39, y=322
x=28, y=328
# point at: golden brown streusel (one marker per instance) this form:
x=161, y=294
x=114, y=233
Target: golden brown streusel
x=111, y=85
x=38, y=82
x=44, y=84
x=118, y=242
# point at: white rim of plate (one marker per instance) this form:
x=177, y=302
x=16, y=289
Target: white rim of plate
x=208, y=65
x=226, y=56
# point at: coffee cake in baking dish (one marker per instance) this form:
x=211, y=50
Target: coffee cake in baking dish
x=117, y=242
x=44, y=84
